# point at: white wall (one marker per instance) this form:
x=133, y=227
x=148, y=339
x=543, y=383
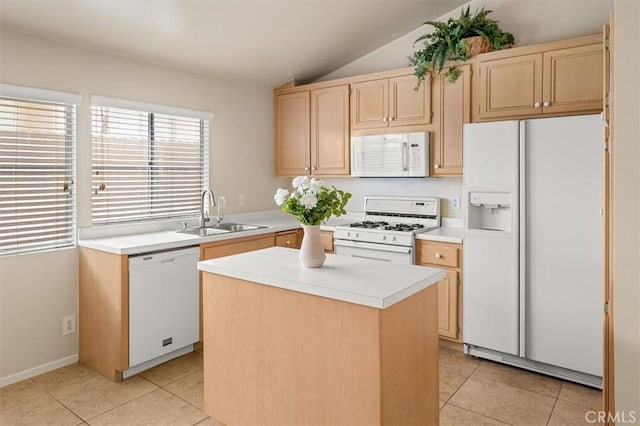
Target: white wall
x=36, y=290
x=626, y=205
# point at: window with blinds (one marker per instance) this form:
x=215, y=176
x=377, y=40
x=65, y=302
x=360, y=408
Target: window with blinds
x=37, y=202
x=146, y=165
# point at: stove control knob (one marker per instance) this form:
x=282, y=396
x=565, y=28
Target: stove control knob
x=384, y=237
x=394, y=238
x=357, y=235
x=348, y=234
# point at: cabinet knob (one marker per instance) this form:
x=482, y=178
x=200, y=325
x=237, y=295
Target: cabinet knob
x=436, y=166
x=391, y=118
x=306, y=168
x=288, y=242
x=438, y=256
x=537, y=105
x=385, y=119
x=546, y=104
x=314, y=168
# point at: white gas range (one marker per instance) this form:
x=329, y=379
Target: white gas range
x=388, y=231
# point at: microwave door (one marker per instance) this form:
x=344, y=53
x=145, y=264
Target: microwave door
x=379, y=159
x=394, y=155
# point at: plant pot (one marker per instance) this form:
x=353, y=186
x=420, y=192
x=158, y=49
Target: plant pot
x=311, y=251
x=476, y=45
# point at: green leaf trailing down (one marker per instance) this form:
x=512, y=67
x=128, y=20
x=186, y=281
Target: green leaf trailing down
x=446, y=42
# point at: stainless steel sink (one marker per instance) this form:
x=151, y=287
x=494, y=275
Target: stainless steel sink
x=235, y=227
x=203, y=232
x=222, y=228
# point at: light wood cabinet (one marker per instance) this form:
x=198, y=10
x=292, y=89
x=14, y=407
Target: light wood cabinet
x=104, y=312
x=327, y=241
x=449, y=257
x=574, y=79
x=550, y=82
x=452, y=108
x=289, y=239
x=293, y=133
x=388, y=103
x=330, y=131
x=312, y=132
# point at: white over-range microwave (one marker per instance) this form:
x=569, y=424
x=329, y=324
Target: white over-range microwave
x=393, y=155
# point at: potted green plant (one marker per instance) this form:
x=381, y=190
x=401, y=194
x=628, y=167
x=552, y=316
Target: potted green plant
x=458, y=39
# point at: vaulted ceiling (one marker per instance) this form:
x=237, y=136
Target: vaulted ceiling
x=261, y=42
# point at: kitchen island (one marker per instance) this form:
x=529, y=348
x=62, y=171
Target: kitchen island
x=352, y=343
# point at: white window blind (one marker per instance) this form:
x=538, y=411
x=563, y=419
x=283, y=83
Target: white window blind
x=37, y=203
x=146, y=165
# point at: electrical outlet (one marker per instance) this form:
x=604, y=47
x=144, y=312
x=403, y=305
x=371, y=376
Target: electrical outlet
x=222, y=201
x=455, y=203
x=242, y=200
x=68, y=324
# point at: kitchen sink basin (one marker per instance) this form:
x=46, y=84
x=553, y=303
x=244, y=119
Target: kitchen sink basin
x=236, y=227
x=222, y=228
x=204, y=232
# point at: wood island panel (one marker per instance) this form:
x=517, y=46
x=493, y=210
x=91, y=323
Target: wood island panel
x=279, y=357
x=104, y=312
x=409, y=360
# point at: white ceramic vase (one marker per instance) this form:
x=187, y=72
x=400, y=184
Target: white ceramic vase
x=311, y=252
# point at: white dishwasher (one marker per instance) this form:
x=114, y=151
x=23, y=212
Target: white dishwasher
x=164, y=307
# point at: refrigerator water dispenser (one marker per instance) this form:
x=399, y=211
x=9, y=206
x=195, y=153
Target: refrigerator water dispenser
x=490, y=211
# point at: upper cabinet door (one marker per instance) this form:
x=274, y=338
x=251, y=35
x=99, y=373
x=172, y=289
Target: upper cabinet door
x=407, y=106
x=330, y=131
x=453, y=109
x=292, y=134
x=369, y=104
x=510, y=87
x=573, y=79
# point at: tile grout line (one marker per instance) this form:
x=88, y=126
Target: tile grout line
x=120, y=405
x=544, y=376
x=480, y=414
x=552, y=409
x=182, y=399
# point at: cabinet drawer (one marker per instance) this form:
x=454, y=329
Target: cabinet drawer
x=236, y=246
x=287, y=239
x=327, y=241
x=438, y=254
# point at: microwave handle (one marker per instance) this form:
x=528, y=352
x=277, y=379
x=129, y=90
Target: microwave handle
x=405, y=155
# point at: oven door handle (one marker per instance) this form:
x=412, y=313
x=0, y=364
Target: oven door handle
x=372, y=246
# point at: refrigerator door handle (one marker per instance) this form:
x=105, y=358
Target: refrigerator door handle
x=522, y=224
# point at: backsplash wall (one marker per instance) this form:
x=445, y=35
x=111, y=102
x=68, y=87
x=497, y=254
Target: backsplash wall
x=443, y=188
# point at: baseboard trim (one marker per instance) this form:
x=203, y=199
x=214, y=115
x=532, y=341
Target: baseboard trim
x=40, y=369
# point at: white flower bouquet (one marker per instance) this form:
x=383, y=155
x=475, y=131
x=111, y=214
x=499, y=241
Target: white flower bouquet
x=311, y=202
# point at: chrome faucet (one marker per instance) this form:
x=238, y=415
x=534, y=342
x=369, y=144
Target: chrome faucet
x=212, y=201
x=219, y=217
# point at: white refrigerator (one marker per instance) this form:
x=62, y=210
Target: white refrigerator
x=533, y=252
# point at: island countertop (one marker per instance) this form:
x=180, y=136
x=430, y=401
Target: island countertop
x=361, y=281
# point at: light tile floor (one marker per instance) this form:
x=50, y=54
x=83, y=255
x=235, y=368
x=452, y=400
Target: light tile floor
x=472, y=392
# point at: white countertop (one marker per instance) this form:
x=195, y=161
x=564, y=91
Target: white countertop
x=444, y=234
x=364, y=282
x=143, y=238
x=140, y=238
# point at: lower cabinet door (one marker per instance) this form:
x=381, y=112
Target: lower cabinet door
x=448, y=305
